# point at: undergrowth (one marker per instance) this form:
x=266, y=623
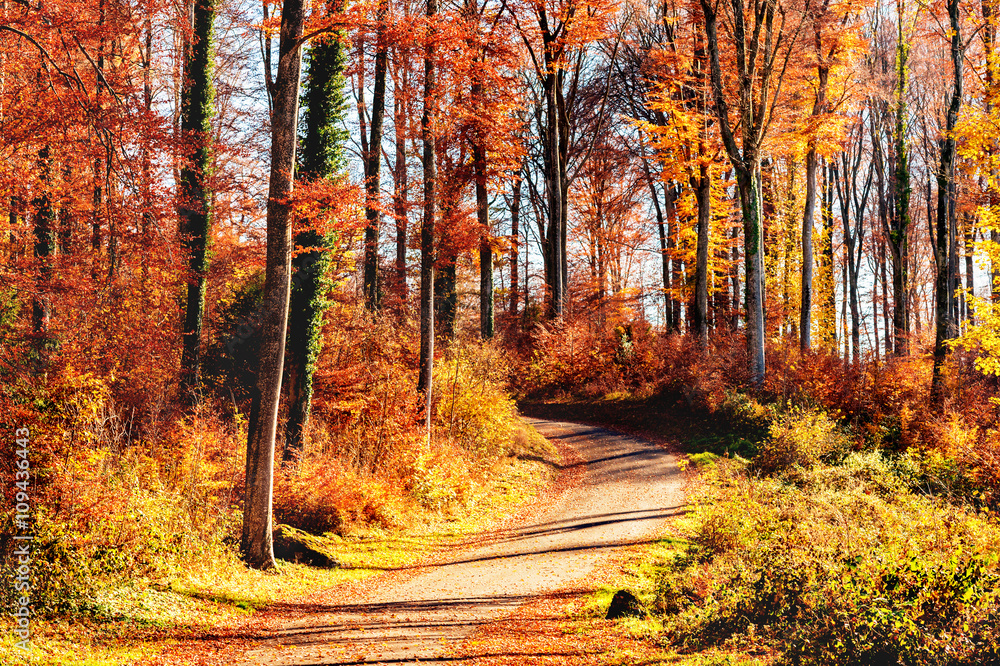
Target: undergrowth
x=138, y=529
x=836, y=515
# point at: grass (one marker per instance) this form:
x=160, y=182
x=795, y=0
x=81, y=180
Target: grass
x=132, y=622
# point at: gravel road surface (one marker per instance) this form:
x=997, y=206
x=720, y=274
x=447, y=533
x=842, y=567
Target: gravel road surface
x=627, y=490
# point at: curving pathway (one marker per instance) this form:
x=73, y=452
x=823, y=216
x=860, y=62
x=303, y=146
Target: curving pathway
x=628, y=488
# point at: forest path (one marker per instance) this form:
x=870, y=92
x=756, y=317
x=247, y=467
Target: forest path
x=627, y=490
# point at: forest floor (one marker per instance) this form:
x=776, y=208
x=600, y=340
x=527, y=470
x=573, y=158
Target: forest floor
x=528, y=592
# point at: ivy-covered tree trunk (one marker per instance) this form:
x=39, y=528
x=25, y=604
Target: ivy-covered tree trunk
x=197, y=99
x=321, y=155
x=195, y=201
x=257, y=544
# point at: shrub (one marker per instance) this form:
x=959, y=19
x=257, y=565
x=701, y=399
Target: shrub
x=322, y=495
x=845, y=567
x=472, y=407
x=800, y=438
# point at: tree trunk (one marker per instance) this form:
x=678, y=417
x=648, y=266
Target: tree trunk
x=673, y=234
x=702, y=190
x=664, y=252
x=401, y=178
x=898, y=234
x=808, y=224
x=373, y=166
x=968, y=242
x=425, y=381
x=828, y=274
x=946, y=245
x=194, y=207
x=321, y=156
x=486, y=317
x=989, y=33
x=445, y=295
x=748, y=181
x=553, y=188
x=257, y=528
x=734, y=322
x=515, y=215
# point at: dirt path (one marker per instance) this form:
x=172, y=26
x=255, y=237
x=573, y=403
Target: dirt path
x=629, y=488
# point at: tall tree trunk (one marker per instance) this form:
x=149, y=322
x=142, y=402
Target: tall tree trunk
x=486, y=316
x=194, y=208
x=946, y=245
x=991, y=78
x=762, y=42
x=734, y=322
x=748, y=181
x=878, y=161
x=373, y=165
x=257, y=543
x=703, y=193
x=898, y=234
x=515, y=215
x=664, y=252
x=425, y=384
x=673, y=234
x=808, y=224
x=320, y=156
x=968, y=243
x=401, y=177
x=553, y=188
x=828, y=269
x=97, y=198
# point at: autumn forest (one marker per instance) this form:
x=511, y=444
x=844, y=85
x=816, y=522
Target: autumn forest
x=279, y=279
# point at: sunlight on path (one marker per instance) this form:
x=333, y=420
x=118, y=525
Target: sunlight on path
x=629, y=489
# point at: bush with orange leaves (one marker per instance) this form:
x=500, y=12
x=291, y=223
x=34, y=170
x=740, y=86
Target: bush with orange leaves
x=580, y=357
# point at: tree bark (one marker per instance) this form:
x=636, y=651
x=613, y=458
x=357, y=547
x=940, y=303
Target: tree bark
x=194, y=207
x=486, y=316
x=373, y=165
x=515, y=215
x=321, y=156
x=808, y=224
x=898, y=233
x=702, y=190
x=401, y=178
x=257, y=546
x=757, y=60
x=425, y=381
x=946, y=245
